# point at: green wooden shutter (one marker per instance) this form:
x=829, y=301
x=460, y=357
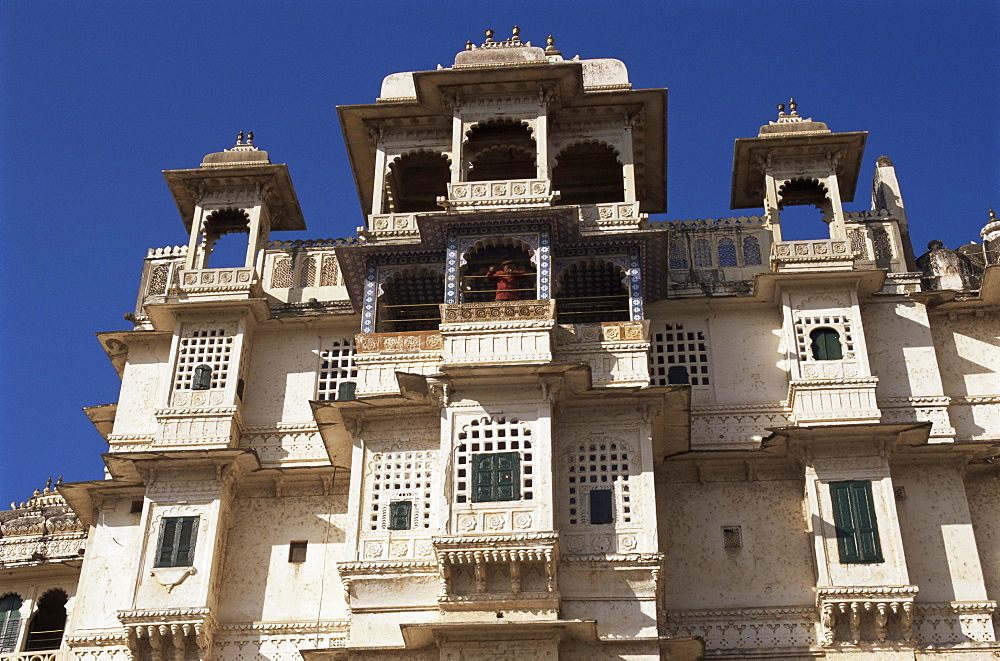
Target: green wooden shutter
x=185, y=542
x=10, y=622
x=854, y=517
x=400, y=515
x=177, y=539
x=826, y=344
x=168, y=529
x=496, y=477
x=867, y=527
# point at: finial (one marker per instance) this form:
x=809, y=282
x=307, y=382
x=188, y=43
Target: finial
x=48, y=485
x=59, y=480
x=515, y=34
x=793, y=107
x=781, y=109
x=489, y=36
x=993, y=215
x=250, y=137
x=239, y=138
x=468, y=45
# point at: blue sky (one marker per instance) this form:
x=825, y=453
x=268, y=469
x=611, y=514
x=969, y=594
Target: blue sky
x=99, y=97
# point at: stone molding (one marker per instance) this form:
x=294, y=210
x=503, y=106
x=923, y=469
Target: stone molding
x=808, y=255
x=409, y=342
x=455, y=313
x=391, y=226
x=503, y=193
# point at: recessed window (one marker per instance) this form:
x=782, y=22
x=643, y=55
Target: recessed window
x=136, y=507
x=177, y=538
x=297, y=551
x=400, y=515
x=826, y=344
x=854, y=517
x=496, y=477
x=202, y=379
x=732, y=537
x=601, y=509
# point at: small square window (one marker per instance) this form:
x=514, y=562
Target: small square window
x=732, y=537
x=297, y=551
x=601, y=510
x=400, y=515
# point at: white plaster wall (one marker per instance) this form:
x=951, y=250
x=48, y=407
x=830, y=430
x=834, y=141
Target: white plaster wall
x=936, y=528
x=108, y=577
x=284, y=363
x=260, y=585
x=982, y=485
x=146, y=372
x=901, y=352
x=968, y=352
x=774, y=567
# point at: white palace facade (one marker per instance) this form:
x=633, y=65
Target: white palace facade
x=514, y=418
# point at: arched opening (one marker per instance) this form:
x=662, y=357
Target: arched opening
x=592, y=291
x=10, y=622
x=500, y=150
x=498, y=272
x=826, y=344
x=225, y=238
x=588, y=173
x=416, y=180
x=727, y=252
x=801, y=202
x=410, y=300
x=46, y=629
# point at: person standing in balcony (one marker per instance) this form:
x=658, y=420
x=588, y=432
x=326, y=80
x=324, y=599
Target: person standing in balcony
x=506, y=280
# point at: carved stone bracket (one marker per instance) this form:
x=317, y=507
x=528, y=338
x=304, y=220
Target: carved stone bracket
x=845, y=612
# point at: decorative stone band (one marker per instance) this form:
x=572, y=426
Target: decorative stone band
x=39, y=548
x=429, y=341
x=602, y=333
x=161, y=629
x=497, y=311
x=484, y=194
x=391, y=226
x=217, y=280
x=826, y=254
x=875, y=603
x=614, y=216
x=53, y=655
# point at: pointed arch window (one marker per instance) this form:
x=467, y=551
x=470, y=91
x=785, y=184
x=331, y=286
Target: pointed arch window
x=727, y=252
x=751, y=251
x=826, y=344
x=46, y=629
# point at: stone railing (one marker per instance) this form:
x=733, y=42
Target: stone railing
x=738, y=222
x=498, y=332
x=833, y=401
x=50, y=655
x=391, y=226
x=610, y=216
x=813, y=255
x=474, y=195
x=845, y=613
x=380, y=355
x=498, y=571
x=234, y=279
x=615, y=350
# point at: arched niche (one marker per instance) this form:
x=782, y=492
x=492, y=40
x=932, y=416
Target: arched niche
x=480, y=285
x=591, y=291
x=501, y=149
x=415, y=181
x=221, y=243
x=588, y=173
x=410, y=300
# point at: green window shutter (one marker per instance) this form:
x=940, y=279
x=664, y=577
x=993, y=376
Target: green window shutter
x=867, y=527
x=10, y=621
x=496, y=477
x=400, y=515
x=854, y=518
x=177, y=540
x=826, y=344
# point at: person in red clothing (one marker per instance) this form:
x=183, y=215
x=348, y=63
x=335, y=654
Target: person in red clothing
x=506, y=279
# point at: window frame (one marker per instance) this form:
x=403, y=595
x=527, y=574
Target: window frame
x=856, y=522
x=170, y=556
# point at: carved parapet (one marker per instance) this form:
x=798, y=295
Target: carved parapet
x=43, y=529
x=746, y=629
x=410, y=342
x=475, y=195
x=170, y=633
x=614, y=216
x=816, y=255
x=498, y=571
x=866, y=613
x=201, y=427
x=391, y=226
x=617, y=351
x=498, y=332
x=831, y=401
x=220, y=284
x=50, y=655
